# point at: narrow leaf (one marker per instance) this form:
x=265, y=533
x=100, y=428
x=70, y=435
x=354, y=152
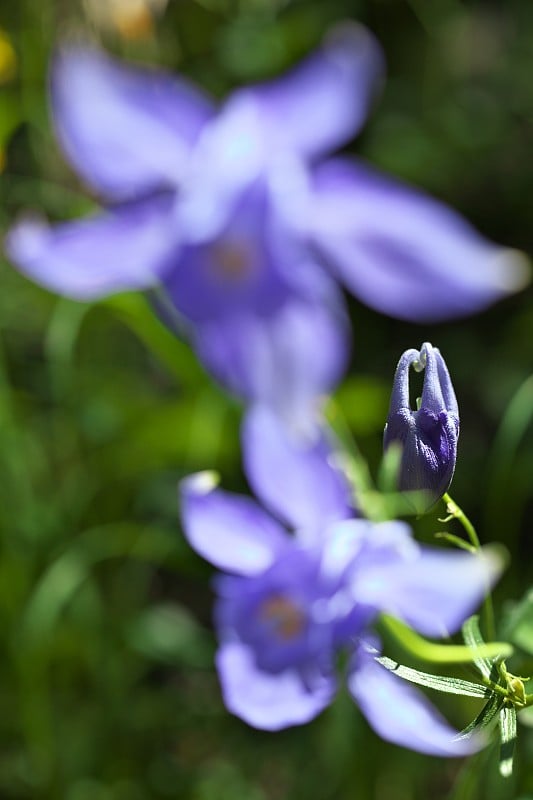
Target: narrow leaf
x=440, y=683
x=487, y=717
x=508, y=739
x=390, y=468
x=474, y=640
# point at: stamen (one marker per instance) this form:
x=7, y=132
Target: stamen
x=230, y=261
x=286, y=618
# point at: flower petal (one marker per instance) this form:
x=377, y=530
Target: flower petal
x=401, y=714
x=293, y=474
x=126, y=248
x=286, y=359
x=324, y=101
x=275, y=127
x=267, y=701
x=229, y=530
x=126, y=130
x=432, y=590
x=404, y=253
x=438, y=591
x=240, y=268
x=268, y=321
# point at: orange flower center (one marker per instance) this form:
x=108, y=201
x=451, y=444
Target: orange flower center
x=231, y=262
x=285, y=617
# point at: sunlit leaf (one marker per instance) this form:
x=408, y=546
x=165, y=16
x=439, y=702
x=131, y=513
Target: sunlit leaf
x=508, y=739
x=441, y=683
x=474, y=640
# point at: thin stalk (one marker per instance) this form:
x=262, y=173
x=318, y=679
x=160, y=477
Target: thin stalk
x=456, y=512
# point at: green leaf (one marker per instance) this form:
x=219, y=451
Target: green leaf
x=363, y=401
x=525, y=716
x=508, y=739
x=442, y=653
x=519, y=626
x=134, y=311
x=63, y=578
x=389, y=469
x=474, y=640
x=515, y=421
x=487, y=717
x=169, y=633
x=440, y=683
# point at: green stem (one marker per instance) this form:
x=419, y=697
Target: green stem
x=441, y=653
x=495, y=687
x=457, y=513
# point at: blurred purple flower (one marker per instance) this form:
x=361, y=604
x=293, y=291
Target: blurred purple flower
x=428, y=436
x=230, y=214
x=288, y=604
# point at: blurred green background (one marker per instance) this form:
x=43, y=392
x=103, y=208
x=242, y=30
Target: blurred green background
x=107, y=688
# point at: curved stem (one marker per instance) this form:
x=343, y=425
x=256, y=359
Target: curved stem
x=457, y=513
x=438, y=653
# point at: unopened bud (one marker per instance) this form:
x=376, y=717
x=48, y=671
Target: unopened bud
x=428, y=436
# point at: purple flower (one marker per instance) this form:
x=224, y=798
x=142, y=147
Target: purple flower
x=428, y=436
x=288, y=604
x=244, y=225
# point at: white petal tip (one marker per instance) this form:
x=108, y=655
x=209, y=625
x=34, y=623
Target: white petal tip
x=513, y=271
x=201, y=482
x=25, y=239
x=496, y=559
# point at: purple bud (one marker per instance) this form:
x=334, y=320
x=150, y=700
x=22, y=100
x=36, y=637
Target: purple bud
x=429, y=435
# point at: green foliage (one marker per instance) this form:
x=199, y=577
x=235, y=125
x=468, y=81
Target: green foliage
x=106, y=680
x=519, y=624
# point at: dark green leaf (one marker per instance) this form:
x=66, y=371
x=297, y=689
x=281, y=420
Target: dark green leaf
x=487, y=717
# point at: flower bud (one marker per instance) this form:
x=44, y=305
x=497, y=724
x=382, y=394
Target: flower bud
x=428, y=436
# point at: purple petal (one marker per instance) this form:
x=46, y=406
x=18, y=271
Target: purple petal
x=267, y=701
x=125, y=130
x=324, y=101
x=294, y=474
x=273, y=128
x=432, y=590
x=402, y=252
x=230, y=531
x=285, y=360
x=240, y=268
x=123, y=249
x=268, y=321
x=438, y=591
x=401, y=714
